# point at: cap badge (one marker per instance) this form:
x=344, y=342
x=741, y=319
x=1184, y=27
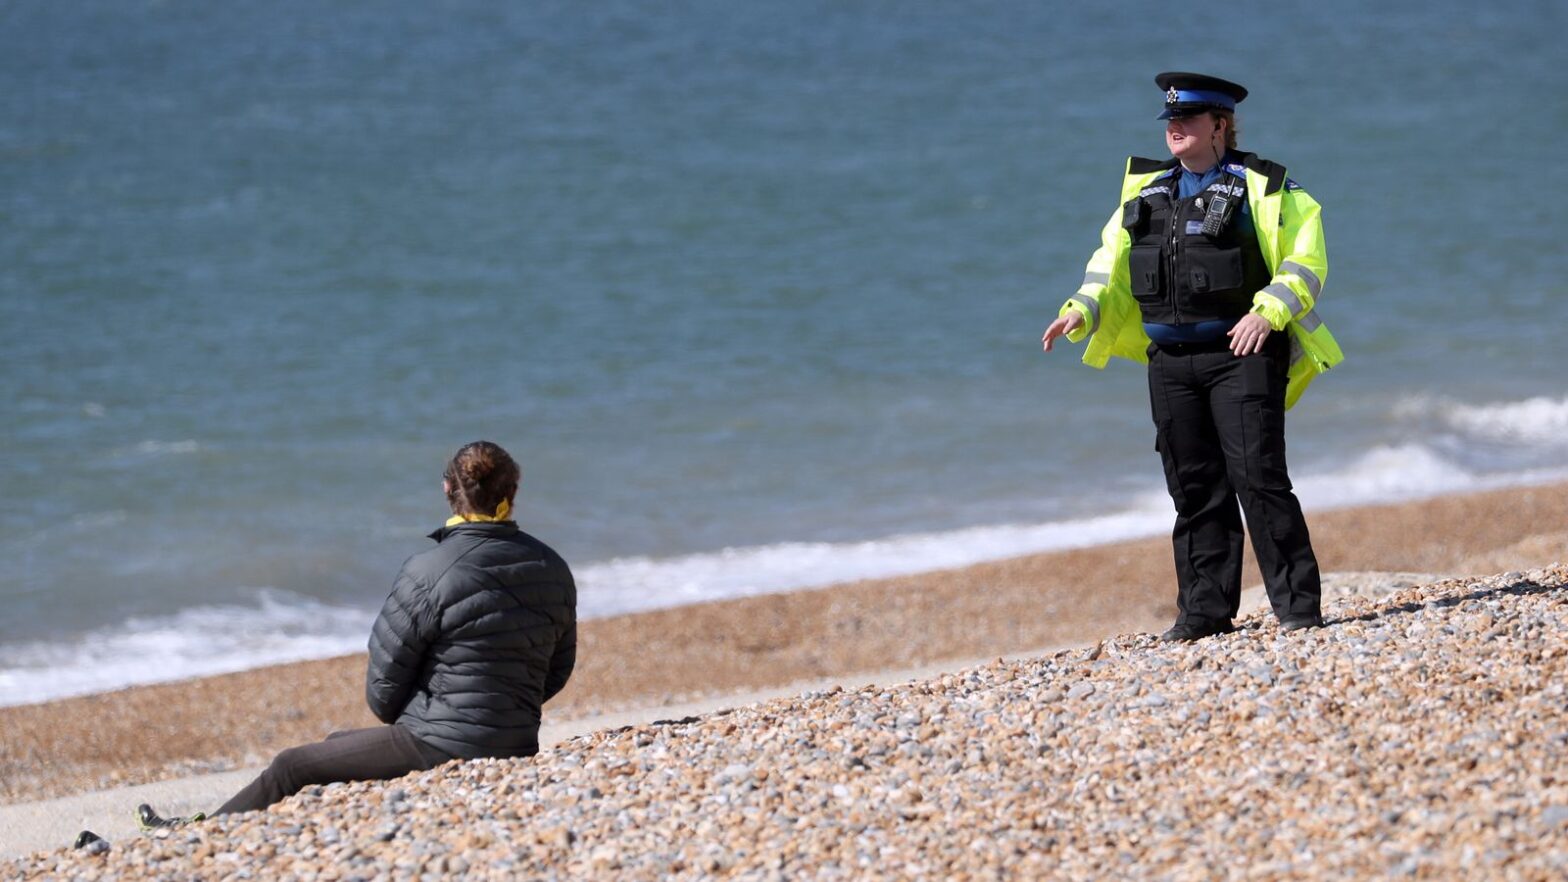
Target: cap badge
x=1172, y=96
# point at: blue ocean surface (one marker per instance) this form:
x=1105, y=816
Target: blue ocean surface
x=753, y=291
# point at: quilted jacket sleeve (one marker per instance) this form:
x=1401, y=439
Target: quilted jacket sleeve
x=408, y=623
x=562, y=661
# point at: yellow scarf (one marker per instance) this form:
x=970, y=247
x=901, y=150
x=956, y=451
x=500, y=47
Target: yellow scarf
x=501, y=514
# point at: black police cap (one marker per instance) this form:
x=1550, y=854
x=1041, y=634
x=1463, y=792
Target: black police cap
x=1187, y=94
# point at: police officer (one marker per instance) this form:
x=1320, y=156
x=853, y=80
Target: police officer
x=1209, y=271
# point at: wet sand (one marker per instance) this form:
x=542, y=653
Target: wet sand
x=174, y=730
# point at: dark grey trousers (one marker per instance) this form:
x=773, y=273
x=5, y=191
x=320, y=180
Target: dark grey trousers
x=374, y=754
x=1220, y=430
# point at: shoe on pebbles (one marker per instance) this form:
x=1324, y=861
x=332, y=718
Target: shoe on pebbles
x=147, y=819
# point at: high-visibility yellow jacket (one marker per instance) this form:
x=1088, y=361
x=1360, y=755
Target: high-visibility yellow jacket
x=1289, y=225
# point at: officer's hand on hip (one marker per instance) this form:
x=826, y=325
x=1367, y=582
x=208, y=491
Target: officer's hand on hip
x=1248, y=335
x=1064, y=325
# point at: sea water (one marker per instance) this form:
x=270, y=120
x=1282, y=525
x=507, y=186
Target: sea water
x=753, y=291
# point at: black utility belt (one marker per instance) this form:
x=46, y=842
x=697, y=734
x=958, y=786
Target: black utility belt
x=1221, y=345
x=1272, y=345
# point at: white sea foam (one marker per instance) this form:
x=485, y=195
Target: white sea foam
x=1405, y=472
x=200, y=641
x=640, y=583
x=1539, y=422
x=1384, y=474
x=280, y=627
x=1536, y=421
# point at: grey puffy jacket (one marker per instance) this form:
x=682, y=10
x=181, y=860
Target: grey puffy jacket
x=477, y=634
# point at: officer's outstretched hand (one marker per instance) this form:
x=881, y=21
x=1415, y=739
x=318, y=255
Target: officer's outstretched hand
x=1064, y=325
x=1248, y=335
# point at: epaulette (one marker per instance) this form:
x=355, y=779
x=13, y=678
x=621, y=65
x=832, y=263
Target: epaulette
x=1271, y=170
x=1137, y=165
x=1291, y=185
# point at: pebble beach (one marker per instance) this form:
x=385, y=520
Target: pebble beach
x=1419, y=733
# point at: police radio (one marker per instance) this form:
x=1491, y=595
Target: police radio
x=1217, y=214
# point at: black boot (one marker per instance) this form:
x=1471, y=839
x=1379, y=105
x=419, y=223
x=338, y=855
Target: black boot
x=1186, y=632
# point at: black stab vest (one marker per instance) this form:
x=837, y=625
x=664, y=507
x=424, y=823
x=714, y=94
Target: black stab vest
x=1178, y=274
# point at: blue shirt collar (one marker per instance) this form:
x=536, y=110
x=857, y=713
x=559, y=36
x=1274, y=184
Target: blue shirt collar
x=1227, y=164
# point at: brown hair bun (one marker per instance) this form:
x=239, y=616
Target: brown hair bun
x=479, y=478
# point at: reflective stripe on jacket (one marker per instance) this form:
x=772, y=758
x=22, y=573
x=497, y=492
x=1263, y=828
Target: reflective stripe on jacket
x=1289, y=226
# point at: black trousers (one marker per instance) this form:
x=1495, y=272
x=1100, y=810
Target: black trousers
x=374, y=754
x=1220, y=431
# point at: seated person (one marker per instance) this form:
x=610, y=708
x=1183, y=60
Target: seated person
x=478, y=633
